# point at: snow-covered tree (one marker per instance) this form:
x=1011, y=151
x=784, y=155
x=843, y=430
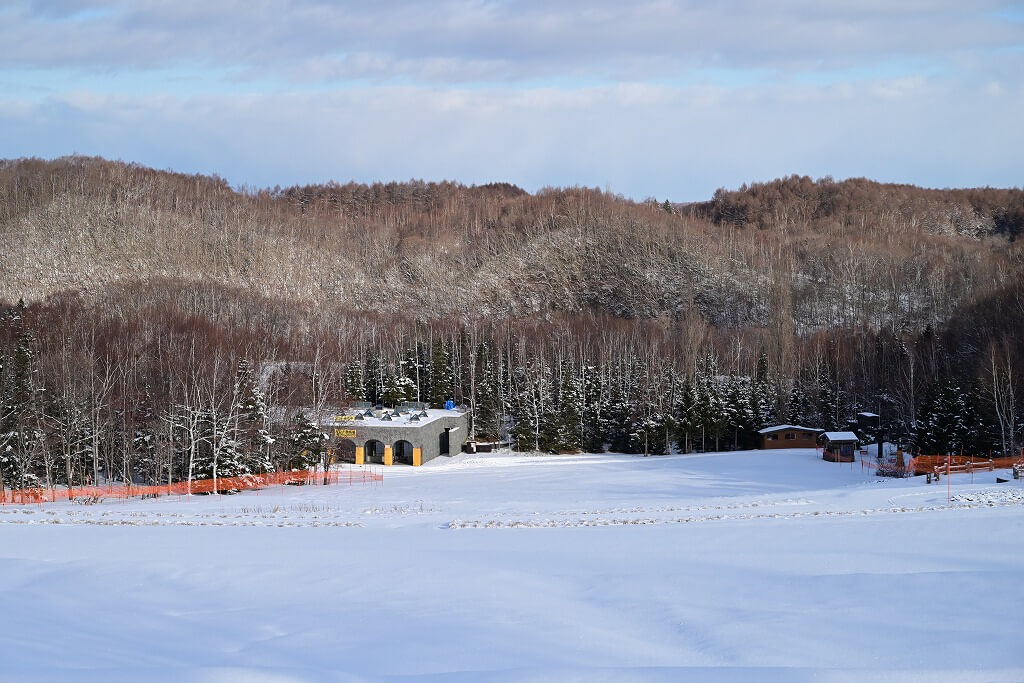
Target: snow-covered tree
x=489, y=411
x=569, y=419
x=800, y=411
x=441, y=384
x=595, y=421
x=532, y=425
x=354, y=388
x=306, y=444
x=393, y=388
x=251, y=425
x=373, y=379
x=20, y=417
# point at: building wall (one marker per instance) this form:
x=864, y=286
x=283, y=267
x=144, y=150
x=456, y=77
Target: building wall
x=425, y=436
x=839, y=452
x=797, y=439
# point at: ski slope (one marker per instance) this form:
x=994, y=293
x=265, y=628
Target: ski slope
x=722, y=567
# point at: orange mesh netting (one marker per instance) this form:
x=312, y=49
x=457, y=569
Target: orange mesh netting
x=247, y=482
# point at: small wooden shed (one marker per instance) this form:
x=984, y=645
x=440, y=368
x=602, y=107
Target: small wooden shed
x=838, y=446
x=789, y=436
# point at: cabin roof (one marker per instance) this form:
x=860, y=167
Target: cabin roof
x=840, y=436
x=782, y=428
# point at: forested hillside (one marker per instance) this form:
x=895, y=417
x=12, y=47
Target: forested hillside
x=820, y=254
x=569, y=318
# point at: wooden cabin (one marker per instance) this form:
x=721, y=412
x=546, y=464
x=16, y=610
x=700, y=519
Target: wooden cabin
x=789, y=436
x=838, y=446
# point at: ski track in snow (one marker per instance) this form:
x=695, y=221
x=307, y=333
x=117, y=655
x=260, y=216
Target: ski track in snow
x=313, y=515
x=967, y=503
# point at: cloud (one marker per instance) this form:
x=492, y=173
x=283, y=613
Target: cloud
x=641, y=140
x=671, y=98
x=477, y=41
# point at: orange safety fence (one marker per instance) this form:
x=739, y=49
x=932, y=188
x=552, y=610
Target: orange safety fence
x=924, y=464
x=245, y=482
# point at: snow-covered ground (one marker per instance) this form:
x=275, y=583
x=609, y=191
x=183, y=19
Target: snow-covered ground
x=767, y=566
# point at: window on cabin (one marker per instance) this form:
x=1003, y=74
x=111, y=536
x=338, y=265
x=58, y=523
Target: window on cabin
x=790, y=436
x=773, y=437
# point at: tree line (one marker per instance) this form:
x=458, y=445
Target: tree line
x=566, y=319
x=173, y=382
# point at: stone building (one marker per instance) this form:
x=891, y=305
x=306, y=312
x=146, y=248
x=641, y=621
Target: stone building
x=407, y=435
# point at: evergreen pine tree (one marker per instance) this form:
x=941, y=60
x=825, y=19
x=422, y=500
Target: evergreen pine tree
x=702, y=410
x=373, y=380
x=19, y=436
x=684, y=415
x=412, y=375
x=527, y=412
x=620, y=415
x=737, y=411
x=219, y=453
x=144, y=439
x=800, y=411
x=546, y=392
x=828, y=406
x=440, y=375
x=987, y=438
x=423, y=359
x=393, y=391
x=570, y=411
x=946, y=421
x=716, y=417
x=594, y=410
x=487, y=418
x=354, y=389
x=924, y=437
x=648, y=426
x=251, y=428
x=205, y=433
x=763, y=396
x=656, y=429
x=306, y=444
x=406, y=389
x=965, y=430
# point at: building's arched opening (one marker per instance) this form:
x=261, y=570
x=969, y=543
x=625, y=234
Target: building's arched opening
x=373, y=452
x=344, y=450
x=403, y=452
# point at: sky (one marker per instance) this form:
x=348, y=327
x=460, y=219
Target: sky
x=653, y=98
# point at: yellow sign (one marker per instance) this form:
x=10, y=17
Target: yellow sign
x=344, y=433
x=344, y=418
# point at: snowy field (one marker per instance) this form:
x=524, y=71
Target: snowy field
x=753, y=566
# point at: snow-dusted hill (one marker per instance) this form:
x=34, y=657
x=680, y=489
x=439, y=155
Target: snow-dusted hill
x=742, y=566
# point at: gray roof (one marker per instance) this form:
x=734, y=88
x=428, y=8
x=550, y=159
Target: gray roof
x=387, y=419
x=841, y=436
x=335, y=416
x=779, y=428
